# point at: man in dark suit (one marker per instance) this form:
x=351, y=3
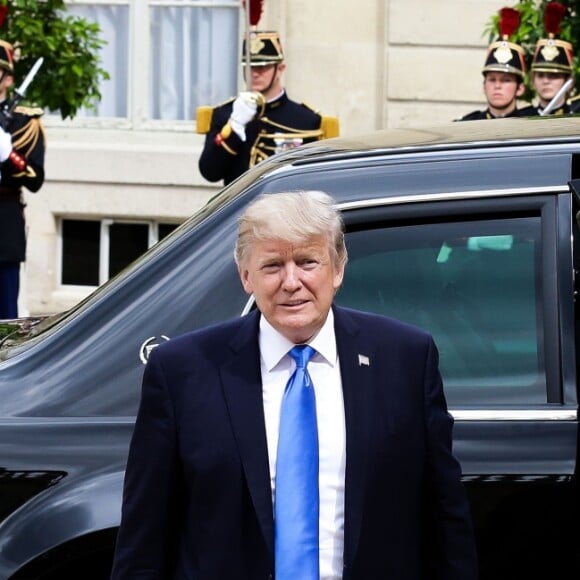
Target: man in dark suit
x=207, y=491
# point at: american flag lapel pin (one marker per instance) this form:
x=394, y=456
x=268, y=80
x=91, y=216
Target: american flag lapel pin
x=363, y=360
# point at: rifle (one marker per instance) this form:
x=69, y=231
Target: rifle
x=7, y=108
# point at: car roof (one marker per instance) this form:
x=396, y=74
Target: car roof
x=525, y=131
x=532, y=152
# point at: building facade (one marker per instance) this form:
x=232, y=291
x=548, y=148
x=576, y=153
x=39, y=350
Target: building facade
x=123, y=176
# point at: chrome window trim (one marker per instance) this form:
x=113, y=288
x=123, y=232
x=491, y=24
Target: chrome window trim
x=249, y=305
x=514, y=414
x=451, y=196
x=466, y=415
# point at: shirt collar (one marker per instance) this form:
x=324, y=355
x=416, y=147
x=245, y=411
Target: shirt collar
x=278, y=96
x=274, y=346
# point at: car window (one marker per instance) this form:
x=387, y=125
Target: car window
x=474, y=285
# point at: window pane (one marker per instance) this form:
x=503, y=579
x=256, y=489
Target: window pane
x=165, y=229
x=195, y=60
x=114, y=24
x=475, y=286
x=127, y=243
x=80, y=252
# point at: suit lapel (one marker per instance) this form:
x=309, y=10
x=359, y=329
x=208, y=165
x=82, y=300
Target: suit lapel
x=242, y=385
x=358, y=404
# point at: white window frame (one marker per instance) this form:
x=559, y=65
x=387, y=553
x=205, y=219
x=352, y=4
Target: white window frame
x=139, y=67
x=104, y=244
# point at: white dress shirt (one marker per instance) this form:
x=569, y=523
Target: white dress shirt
x=277, y=367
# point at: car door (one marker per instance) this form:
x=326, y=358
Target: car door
x=491, y=278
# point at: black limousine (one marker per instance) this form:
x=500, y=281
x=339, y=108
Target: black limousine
x=469, y=230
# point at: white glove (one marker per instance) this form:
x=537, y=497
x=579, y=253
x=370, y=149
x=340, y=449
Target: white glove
x=5, y=145
x=244, y=110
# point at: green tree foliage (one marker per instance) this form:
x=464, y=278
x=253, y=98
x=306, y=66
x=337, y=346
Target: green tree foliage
x=71, y=72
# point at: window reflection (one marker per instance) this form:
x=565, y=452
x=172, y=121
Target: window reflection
x=474, y=286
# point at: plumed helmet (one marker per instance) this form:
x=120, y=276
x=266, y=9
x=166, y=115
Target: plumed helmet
x=503, y=55
x=553, y=54
x=264, y=48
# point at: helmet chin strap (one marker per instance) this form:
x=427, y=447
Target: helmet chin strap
x=274, y=72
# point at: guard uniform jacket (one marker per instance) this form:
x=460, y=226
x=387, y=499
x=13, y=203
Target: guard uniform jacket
x=284, y=124
x=477, y=115
x=568, y=108
x=23, y=170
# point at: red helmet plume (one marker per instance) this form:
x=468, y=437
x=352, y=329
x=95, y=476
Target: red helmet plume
x=553, y=16
x=255, y=10
x=509, y=20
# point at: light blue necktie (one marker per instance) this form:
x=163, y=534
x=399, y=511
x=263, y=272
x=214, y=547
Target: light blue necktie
x=296, y=502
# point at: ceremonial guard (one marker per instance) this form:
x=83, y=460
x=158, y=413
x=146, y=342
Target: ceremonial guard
x=22, y=146
x=259, y=122
x=503, y=72
x=552, y=67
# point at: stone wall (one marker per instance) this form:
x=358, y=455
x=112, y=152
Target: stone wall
x=374, y=64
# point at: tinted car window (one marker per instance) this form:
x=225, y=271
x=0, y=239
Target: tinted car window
x=475, y=285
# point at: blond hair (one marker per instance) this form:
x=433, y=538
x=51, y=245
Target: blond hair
x=294, y=217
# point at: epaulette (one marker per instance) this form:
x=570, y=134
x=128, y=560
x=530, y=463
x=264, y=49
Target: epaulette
x=204, y=116
x=29, y=111
x=330, y=127
x=26, y=137
x=571, y=100
x=310, y=107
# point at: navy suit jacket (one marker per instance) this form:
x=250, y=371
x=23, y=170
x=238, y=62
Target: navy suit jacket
x=197, y=502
